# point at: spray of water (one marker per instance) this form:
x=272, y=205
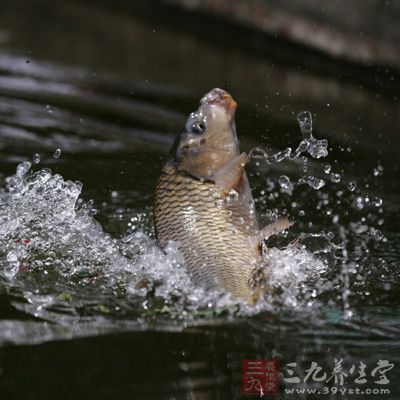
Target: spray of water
x=56, y=255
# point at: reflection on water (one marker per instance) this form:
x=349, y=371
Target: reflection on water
x=84, y=266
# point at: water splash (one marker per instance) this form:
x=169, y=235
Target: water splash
x=341, y=205
x=48, y=234
x=314, y=147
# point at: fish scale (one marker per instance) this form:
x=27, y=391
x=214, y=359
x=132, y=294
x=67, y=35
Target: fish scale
x=213, y=236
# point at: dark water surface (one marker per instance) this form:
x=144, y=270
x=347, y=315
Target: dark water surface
x=110, y=88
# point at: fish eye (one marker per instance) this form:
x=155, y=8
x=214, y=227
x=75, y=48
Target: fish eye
x=195, y=126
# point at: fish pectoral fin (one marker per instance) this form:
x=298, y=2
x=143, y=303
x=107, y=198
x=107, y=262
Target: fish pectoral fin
x=230, y=176
x=273, y=229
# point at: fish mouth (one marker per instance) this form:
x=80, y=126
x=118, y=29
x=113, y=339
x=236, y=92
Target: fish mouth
x=221, y=98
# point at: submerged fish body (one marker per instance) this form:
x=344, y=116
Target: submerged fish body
x=203, y=201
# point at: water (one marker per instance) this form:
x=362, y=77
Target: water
x=82, y=283
x=49, y=233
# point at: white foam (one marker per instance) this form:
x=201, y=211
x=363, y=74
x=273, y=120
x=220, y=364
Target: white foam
x=46, y=230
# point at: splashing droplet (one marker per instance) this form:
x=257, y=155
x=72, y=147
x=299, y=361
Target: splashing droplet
x=351, y=186
x=36, y=158
x=335, y=178
x=317, y=148
x=311, y=181
x=57, y=153
x=50, y=108
x=284, y=182
x=377, y=202
x=378, y=170
x=327, y=169
x=280, y=156
x=376, y=234
x=304, y=119
x=232, y=196
x=23, y=168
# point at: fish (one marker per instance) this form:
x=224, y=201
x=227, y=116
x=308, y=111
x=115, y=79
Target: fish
x=203, y=202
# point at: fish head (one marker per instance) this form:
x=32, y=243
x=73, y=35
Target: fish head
x=209, y=139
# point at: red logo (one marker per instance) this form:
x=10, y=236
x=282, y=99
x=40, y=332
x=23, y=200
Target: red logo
x=260, y=377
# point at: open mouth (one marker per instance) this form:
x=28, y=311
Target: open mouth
x=220, y=97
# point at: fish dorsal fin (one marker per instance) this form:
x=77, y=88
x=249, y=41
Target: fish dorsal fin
x=230, y=176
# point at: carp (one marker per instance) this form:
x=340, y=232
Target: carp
x=203, y=202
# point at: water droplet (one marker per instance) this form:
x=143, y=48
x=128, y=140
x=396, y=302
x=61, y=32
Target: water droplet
x=347, y=314
x=335, y=178
x=36, y=158
x=304, y=119
x=317, y=148
x=305, y=162
x=50, y=108
x=378, y=170
x=280, y=156
x=23, y=168
x=376, y=234
x=351, y=186
x=285, y=183
x=233, y=196
x=359, y=203
x=327, y=169
x=57, y=153
x=311, y=181
x=377, y=202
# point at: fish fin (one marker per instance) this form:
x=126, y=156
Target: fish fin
x=258, y=283
x=274, y=228
x=256, y=294
x=230, y=176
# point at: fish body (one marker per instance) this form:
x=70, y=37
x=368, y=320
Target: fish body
x=213, y=230
x=203, y=201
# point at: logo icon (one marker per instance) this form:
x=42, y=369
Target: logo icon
x=260, y=377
